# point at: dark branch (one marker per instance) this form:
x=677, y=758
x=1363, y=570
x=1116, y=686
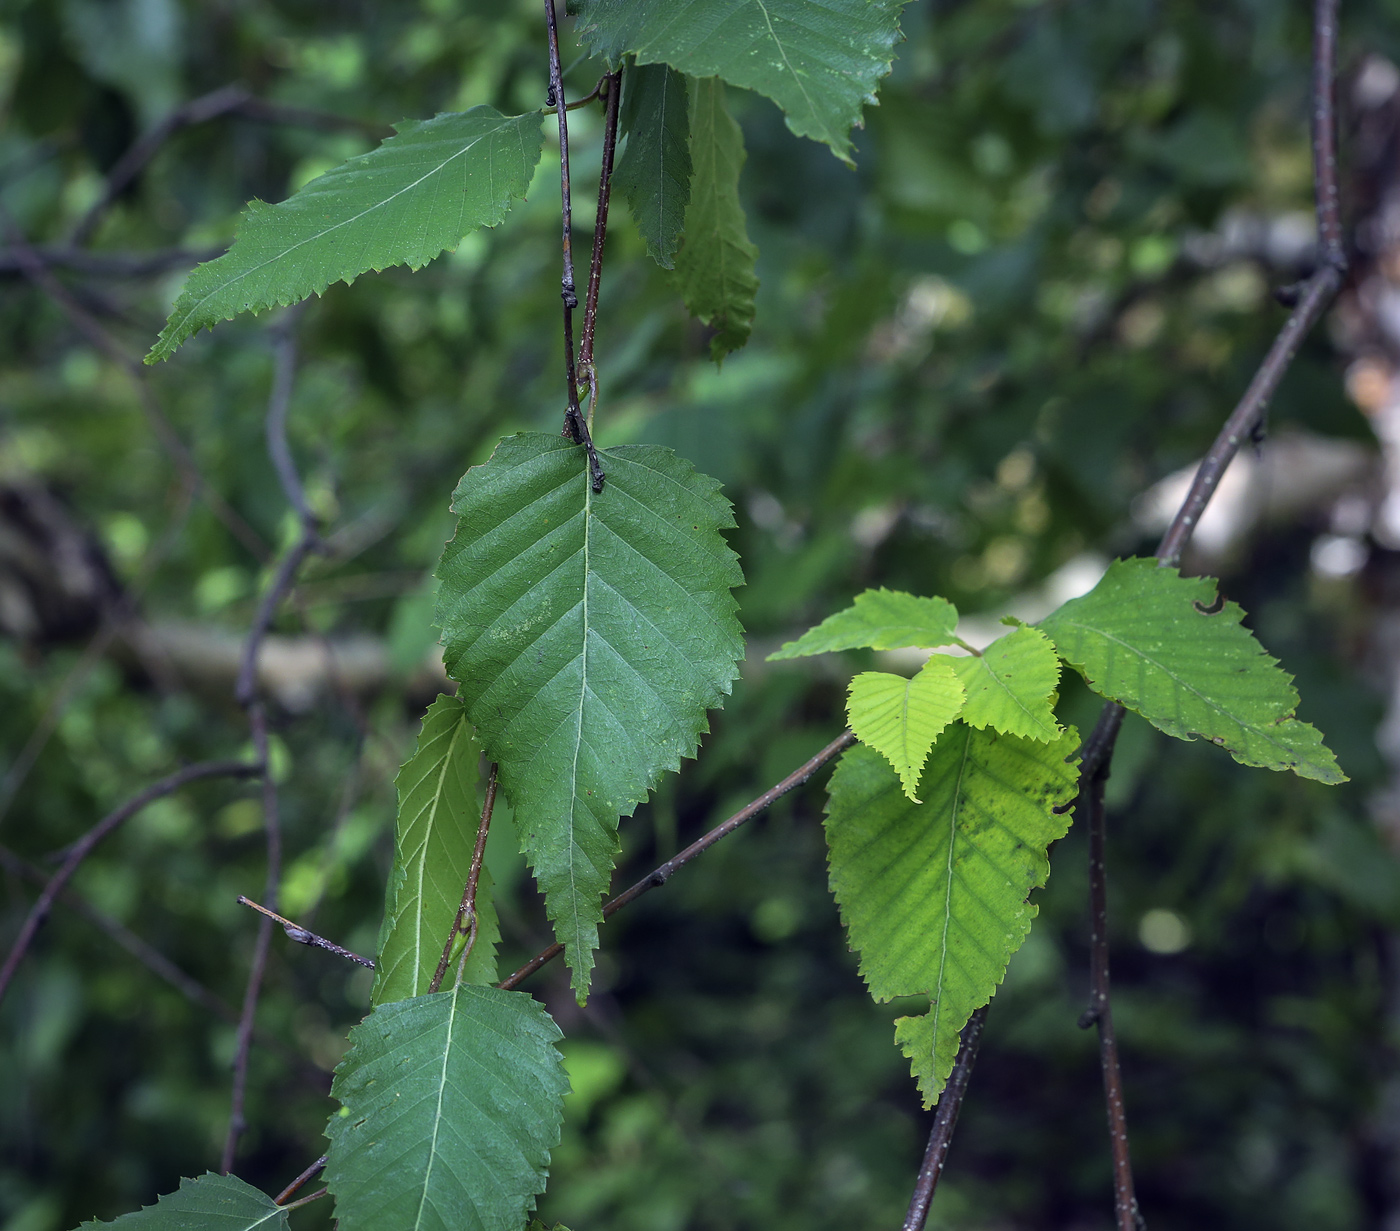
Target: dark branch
x=304, y=936
x=945, y=1119
x=466, y=912
x=1324, y=135
x=574, y=425
x=600, y=227
x=81, y=849
x=291, y=1190
x=660, y=875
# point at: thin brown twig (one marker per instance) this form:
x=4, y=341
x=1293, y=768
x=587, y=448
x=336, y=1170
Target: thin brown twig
x=81, y=849
x=291, y=1190
x=590, y=96
x=316, y=1196
x=466, y=912
x=600, y=226
x=945, y=1119
x=659, y=875
x=574, y=424
x=305, y=936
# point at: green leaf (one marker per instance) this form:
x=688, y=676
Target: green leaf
x=1171, y=649
x=1010, y=686
x=436, y=834
x=933, y=895
x=715, y=265
x=590, y=633
x=209, y=1203
x=450, y=1106
x=900, y=718
x=654, y=170
x=881, y=620
x=400, y=204
x=819, y=60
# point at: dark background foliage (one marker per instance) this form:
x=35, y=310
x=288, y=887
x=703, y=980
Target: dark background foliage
x=1038, y=293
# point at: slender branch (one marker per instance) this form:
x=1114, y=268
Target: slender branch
x=275, y=426
x=660, y=875
x=291, y=1190
x=589, y=97
x=81, y=849
x=574, y=424
x=466, y=912
x=945, y=1119
x=600, y=226
x=316, y=1196
x=1324, y=135
x=108, y=264
x=304, y=936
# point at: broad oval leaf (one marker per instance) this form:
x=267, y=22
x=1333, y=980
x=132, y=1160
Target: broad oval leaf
x=400, y=204
x=819, y=60
x=879, y=620
x=933, y=895
x=450, y=1106
x=1010, y=685
x=900, y=718
x=715, y=265
x=215, y=1202
x=654, y=169
x=435, y=837
x=590, y=633
x=1172, y=649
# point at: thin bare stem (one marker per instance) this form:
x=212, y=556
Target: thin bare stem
x=600, y=226
x=292, y=1189
x=574, y=424
x=304, y=936
x=945, y=1119
x=466, y=912
x=590, y=96
x=660, y=875
x=85, y=845
x=316, y=1196
x=1324, y=135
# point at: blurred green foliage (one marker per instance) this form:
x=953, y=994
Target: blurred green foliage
x=970, y=354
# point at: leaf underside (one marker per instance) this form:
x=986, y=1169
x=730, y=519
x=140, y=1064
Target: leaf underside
x=879, y=620
x=933, y=895
x=819, y=60
x=1011, y=685
x=436, y=834
x=715, y=265
x=1171, y=649
x=210, y=1203
x=402, y=203
x=590, y=633
x=653, y=172
x=900, y=718
x=451, y=1104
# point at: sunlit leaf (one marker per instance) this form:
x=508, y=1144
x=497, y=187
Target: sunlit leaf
x=900, y=718
x=1010, y=685
x=880, y=620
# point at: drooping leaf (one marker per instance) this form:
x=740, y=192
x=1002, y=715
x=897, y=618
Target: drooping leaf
x=715, y=265
x=436, y=833
x=450, y=1106
x=1172, y=649
x=933, y=895
x=653, y=171
x=1009, y=687
x=881, y=620
x=403, y=203
x=900, y=718
x=590, y=633
x=208, y=1203
x=819, y=60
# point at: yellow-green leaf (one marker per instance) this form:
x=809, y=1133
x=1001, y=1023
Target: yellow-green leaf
x=900, y=718
x=1011, y=684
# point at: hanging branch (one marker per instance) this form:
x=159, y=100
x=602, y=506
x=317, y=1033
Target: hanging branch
x=574, y=424
x=945, y=1119
x=660, y=875
x=466, y=912
x=85, y=845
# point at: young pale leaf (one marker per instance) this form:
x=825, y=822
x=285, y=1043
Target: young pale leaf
x=1009, y=687
x=933, y=895
x=654, y=170
x=881, y=620
x=900, y=718
x=715, y=265
x=590, y=632
x=400, y=204
x=436, y=834
x=216, y=1202
x=1172, y=649
x=450, y=1106
x=819, y=60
